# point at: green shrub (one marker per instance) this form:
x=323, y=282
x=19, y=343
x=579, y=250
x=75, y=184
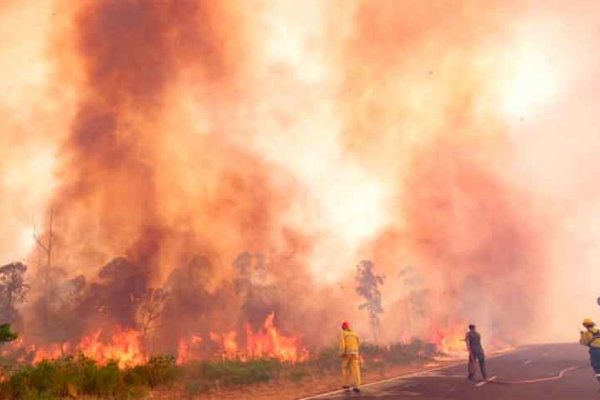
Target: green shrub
x=208, y=375
x=231, y=372
x=76, y=376
x=6, y=334
x=397, y=353
x=160, y=370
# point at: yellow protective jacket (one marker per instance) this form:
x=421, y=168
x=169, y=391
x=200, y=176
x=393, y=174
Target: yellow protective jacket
x=590, y=338
x=349, y=342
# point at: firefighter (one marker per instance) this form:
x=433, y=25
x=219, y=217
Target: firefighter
x=591, y=338
x=349, y=345
x=476, y=354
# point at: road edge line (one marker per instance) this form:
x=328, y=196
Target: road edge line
x=408, y=375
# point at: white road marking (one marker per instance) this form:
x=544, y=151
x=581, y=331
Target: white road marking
x=406, y=376
x=486, y=381
x=527, y=362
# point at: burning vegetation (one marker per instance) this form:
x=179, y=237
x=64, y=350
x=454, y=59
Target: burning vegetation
x=204, y=176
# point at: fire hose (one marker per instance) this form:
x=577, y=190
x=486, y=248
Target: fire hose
x=560, y=375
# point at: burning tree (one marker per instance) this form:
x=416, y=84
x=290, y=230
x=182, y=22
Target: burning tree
x=119, y=290
x=13, y=290
x=151, y=308
x=368, y=288
x=188, y=302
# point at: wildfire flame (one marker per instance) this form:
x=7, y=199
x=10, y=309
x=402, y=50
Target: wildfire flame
x=450, y=341
x=269, y=342
x=127, y=349
x=124, y=346
x=227, y=342
x=241, y=128
x=188, y=349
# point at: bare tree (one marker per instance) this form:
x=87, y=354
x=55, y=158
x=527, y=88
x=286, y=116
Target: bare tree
x=46, y=248
x=368, y=288
x=151, y=308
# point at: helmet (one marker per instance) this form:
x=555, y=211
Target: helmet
x=345, y=325
x=588, y=322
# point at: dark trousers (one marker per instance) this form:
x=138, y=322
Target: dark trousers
x=476, y=356
x=595, y=361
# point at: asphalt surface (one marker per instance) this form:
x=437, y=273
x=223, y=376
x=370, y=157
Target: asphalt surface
x=557, y=372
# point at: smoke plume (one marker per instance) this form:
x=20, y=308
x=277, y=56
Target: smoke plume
x=203, y=167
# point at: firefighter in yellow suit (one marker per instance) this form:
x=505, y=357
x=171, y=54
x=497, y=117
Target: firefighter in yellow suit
x=349, y=345
x=591, y=339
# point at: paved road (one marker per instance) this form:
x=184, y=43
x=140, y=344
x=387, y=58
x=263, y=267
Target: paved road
x=556, y=372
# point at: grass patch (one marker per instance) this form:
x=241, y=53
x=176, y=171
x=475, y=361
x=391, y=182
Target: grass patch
x=398, y=353
x=77, y=376
x=208, y=375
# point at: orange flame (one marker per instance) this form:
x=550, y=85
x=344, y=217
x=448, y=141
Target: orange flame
x=227, y=342
x=50, y=352
x=188, y=349
x=266, y=342
x=450, y=341
x=269, y=342
x=124, y=347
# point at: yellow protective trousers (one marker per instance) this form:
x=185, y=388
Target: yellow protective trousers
x=351, y=367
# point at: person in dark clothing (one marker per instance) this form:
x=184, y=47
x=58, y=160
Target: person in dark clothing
x=476, y=354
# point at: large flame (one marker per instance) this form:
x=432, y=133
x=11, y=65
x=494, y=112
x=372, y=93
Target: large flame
x=123, y=347
x=266, y=342
x=269, y=342
x=450, y=341
x=126, y=347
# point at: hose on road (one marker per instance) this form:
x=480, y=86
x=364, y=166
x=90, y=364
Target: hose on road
x=560, y=375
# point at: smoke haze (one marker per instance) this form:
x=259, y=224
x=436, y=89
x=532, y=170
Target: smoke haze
x=246, y=156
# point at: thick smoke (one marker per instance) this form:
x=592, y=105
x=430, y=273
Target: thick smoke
x=427, y=123
x=209, y=163
x=120, y=195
